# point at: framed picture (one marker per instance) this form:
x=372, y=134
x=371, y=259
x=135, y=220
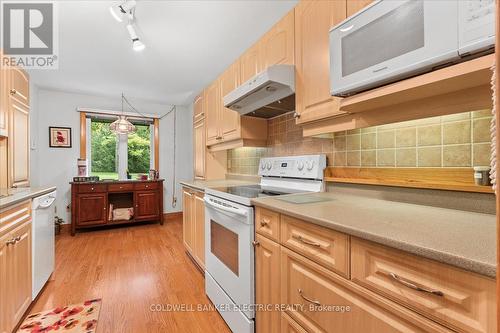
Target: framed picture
x=60, y=137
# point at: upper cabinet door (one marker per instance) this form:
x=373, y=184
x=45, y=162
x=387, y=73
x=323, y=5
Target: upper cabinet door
x=212, y=113
x=313, y=20
x=18, y=150
x=198, y=112
x=278, y=43
x=19, y=85
x=4, y=101
x=251, y=62
x=354, y=6
x=230, y=120
x=199, y=149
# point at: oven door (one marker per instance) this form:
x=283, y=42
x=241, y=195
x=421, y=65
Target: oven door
x=229, y=257
x=391, y=40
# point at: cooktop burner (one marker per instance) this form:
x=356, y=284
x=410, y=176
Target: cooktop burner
x=252, y=191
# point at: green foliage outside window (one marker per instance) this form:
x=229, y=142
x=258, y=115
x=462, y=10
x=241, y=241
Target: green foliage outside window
x=139, y=150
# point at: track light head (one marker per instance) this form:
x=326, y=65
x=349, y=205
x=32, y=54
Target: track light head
x=119, y=12
x=137, y=45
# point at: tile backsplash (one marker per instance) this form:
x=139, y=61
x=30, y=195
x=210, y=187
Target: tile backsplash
x=458, y=140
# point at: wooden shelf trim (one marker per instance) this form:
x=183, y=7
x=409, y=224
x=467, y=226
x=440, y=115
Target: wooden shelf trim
x=452, y=179
x=447, y=80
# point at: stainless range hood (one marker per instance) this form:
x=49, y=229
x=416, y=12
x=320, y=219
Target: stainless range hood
x=266, y=95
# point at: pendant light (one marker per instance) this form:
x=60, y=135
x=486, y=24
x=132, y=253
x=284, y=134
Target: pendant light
x=122, y=125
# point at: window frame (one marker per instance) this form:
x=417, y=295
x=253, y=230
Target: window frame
x=155, y=136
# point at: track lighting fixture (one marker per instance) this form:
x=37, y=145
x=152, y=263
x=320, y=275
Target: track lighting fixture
x=120, y=12
x=137, y=45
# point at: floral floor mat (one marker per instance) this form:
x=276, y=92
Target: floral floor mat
x=76, y=318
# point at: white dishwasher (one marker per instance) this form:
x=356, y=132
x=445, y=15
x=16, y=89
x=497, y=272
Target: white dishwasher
x=43, y=246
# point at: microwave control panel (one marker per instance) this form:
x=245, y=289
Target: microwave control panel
x=476, y=25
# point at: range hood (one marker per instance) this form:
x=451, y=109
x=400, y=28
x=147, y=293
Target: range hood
x=266, y=95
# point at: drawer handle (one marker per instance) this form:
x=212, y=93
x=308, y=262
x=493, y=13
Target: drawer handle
x=306, y=241
x=307, y=298
x=264, y=222
x=414, y=286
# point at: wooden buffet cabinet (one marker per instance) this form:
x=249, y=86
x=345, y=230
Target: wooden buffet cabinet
x=297, y=262
x=90, y=202
x=15, y=264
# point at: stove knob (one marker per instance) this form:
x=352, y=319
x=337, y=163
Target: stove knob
x=263, y=165
x=300, y=165
x=269, y=165
x=310, y=165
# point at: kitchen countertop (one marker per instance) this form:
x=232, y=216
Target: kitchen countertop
x=17, y=195
x=459, y=238
x=201, y=185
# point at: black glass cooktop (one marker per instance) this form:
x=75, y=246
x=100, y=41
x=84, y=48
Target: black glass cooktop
x=251, y=191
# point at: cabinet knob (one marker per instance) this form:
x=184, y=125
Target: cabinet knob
x=91, y=188
x=147, y=186
x=255, y=243
x=264, y=222
x=13, y=91
x=296, y=115
x=14, y=186
x=11, y=242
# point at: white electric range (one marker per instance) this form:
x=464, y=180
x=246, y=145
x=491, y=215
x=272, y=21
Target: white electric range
x=229, y=232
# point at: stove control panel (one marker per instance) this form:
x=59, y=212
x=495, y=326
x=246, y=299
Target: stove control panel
x=305, y=166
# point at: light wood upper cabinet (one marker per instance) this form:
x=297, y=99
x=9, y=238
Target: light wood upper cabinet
x=212, y=113
x=4, y=101
x=199, y=229
x=277, y=45
x=199, y=149
x=230, y=120
x=18, y=144
x=313, y=20
x=251, y=62
x=267, y=283
x=187, y=219
x=354, y=6
x=198, y=108
x=19, y=85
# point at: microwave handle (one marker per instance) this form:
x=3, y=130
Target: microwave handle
x=346, y=29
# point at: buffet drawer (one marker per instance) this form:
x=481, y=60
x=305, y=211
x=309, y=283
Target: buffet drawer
x=460, y=300
x=92, y=188
x=120, y=187
x=146, y=186
x=267, y=223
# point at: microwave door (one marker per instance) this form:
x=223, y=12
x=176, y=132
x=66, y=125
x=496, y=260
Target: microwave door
x=391, y=39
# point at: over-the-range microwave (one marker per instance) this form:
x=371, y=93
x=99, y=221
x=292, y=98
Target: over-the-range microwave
x=390, y=40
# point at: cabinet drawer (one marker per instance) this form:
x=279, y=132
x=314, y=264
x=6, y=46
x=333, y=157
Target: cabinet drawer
x=322, y=245
x=288, y=325
x=146, y=186
x=460, y=300
x=120, y=187
x=321, y=301
x=91, y=188
x=267, y=223
x=14, y=216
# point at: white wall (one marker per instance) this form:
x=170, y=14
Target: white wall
x=57, y=166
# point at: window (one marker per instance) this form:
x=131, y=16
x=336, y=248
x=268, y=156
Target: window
x=119, y=156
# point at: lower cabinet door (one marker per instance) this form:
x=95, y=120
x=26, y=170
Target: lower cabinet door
x=19, y=271
x=147, y=205
x=267, y=284
x=199, y=229
x=92, y=209
x=6, y=323
x=325, y=302
x=187, y=220
x=288, y=325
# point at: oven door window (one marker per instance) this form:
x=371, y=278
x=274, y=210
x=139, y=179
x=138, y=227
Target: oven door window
x=224, y=245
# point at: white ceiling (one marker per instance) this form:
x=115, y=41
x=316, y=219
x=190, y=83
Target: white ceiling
x=188, y=44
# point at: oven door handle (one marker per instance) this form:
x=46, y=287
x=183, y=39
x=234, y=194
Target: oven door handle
x=224, y=208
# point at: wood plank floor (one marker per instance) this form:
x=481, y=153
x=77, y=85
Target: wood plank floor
x=131, y=268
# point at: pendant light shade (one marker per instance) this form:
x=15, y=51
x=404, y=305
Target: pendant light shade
x=122, y=126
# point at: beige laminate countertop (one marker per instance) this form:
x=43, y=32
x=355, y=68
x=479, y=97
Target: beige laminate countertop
x=462, y=239
x=201, y=185
x=17, y=195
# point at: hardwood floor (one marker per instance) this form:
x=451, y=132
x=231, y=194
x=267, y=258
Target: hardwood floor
x=131, y=269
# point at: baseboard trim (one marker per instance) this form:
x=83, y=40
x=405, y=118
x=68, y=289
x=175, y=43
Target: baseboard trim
x=172, y=216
